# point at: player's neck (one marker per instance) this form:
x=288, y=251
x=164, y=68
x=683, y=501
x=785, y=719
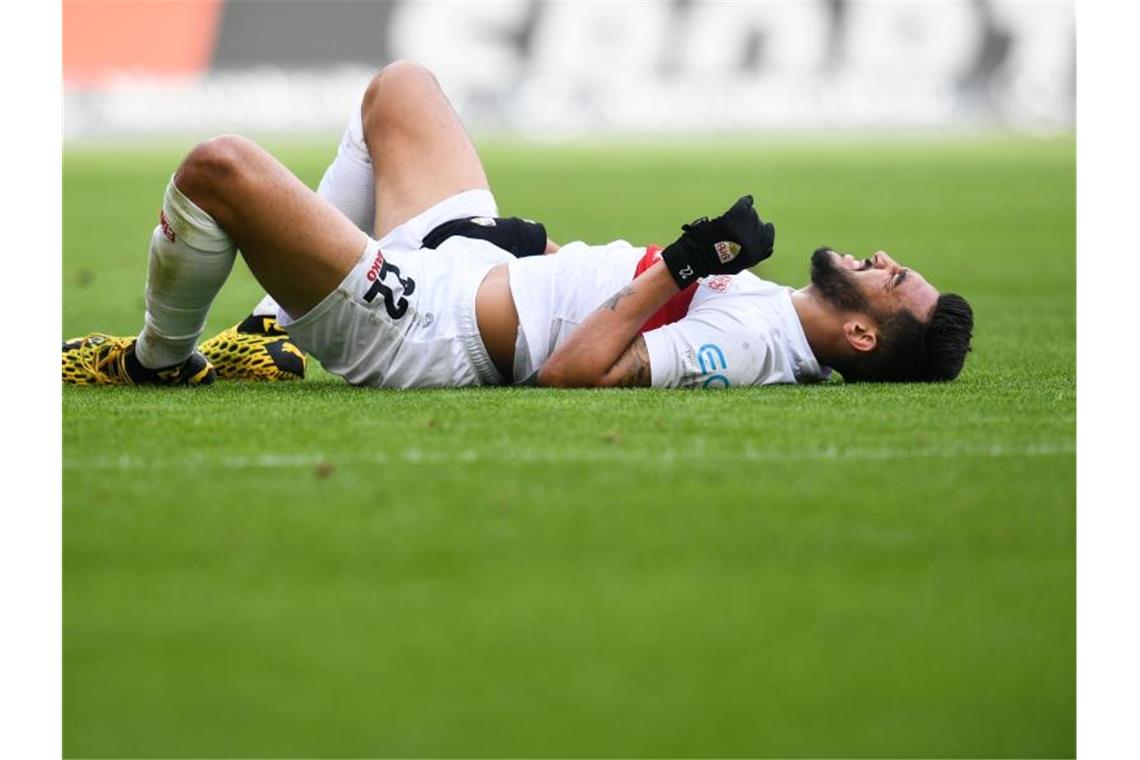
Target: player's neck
x=822, y=326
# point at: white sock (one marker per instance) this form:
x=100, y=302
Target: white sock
x=348, y=184
x=190, y=258
x=266, y=307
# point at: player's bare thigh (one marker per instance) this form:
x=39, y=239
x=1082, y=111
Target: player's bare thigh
x=298, y=246
x=420, y=151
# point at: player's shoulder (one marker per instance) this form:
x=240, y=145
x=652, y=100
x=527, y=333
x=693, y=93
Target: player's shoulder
x=742, y=284
x=743, y=300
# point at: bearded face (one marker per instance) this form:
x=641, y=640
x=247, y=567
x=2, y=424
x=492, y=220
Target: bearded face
x=835, y=283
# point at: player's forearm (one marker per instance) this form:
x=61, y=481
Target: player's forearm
x=585, y=358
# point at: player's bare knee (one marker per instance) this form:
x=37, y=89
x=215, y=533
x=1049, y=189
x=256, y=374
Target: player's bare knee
x=390, y=93
x=400, y=75
x=213, y=165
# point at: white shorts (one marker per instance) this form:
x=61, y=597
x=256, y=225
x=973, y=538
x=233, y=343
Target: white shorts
x=404, y=317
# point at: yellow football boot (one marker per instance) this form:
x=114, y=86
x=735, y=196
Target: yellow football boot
x=98, y=359
x=255, y=349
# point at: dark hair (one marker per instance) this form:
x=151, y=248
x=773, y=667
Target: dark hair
x=909, y=350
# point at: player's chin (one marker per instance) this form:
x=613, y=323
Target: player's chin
x=829, y=258
x=825, y=256
x=829, y=266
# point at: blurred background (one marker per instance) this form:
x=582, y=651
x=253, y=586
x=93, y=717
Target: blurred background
x=314, y=571
x=561, y=69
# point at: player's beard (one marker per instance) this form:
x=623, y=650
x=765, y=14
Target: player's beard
x=834, y=283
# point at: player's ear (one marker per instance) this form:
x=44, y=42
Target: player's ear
x=861, y=335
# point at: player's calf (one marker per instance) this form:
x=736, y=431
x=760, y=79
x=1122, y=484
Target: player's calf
x=190, y=258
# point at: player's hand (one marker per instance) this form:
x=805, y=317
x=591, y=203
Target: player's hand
x=728, y=244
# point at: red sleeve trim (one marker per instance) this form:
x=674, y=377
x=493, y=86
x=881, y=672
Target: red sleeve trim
x=676, y=307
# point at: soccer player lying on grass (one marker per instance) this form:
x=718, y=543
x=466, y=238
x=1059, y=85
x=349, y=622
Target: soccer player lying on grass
x=383, y=276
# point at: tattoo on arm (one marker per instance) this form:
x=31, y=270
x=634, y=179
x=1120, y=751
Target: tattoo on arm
x=632, y=369
x=613, y=301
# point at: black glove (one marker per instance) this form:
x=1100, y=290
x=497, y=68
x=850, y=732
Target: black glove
x=725, y=245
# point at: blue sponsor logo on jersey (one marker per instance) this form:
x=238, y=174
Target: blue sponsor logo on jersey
x=710, y=359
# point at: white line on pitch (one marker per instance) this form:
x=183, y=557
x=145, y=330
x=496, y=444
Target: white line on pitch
x=609, y=455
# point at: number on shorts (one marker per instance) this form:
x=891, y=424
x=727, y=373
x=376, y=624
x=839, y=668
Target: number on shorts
x=396, y=307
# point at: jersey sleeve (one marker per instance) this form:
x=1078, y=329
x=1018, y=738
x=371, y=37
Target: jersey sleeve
x=711, y=348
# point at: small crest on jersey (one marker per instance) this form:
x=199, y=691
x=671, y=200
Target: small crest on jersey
x=726, y=250
x=719, y=283
x=483, y=221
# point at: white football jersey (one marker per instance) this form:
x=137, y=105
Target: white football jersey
x=554, y=294
x=737, y=330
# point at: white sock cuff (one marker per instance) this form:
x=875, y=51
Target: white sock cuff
x=183, y=219
x=266, y=307
x=352, y=142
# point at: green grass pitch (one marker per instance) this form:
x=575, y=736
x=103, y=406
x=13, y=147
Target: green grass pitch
x=314, y=569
